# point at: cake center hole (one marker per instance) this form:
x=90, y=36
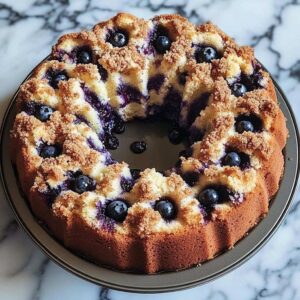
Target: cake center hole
x=160, y=153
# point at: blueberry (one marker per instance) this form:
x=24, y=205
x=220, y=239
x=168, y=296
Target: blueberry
x=182, y=78
x=166, y=208
x=206, y=54
x=175, y=136
x=135, y=173
x=238, y=89
x=51, y=193
x=232, y=159
x=120, y=126
x=50, y=151
x=84, y=56
x=186, y=153
x=129, y=94
x=112, y=142
x=138, y=147
x=127, y=184
x=172, y=105
x=250, y=122
x=83, y=183
x=236, y=158
x=195, y=134
x=208, y=197
x=246, y=83
x=43, y=113
x=257, y=80
x=117, y=210
x=162, y=44
x=57, y=78
x=244, y=125
x=118, y=39
x=103, y=73
x=156, y=82
x=191, y=177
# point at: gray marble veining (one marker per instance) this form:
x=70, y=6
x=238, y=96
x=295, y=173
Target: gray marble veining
x=28, y=28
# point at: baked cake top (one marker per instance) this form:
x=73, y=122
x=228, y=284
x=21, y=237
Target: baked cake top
x=212, y=90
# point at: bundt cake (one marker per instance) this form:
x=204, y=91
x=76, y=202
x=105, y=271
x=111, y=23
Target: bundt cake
x=216, y=96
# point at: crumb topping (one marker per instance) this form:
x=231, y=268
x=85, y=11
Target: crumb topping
x=84, y=97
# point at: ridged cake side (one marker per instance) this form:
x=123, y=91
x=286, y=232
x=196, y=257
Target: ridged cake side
x=70, y=106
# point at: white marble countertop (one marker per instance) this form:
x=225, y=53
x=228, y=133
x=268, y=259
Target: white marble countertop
x=28, y=28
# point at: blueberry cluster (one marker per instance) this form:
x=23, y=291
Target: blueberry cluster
x=246, y=83
x=212, y=195
x=117, y=209
x=55, y=76
x=40, y=111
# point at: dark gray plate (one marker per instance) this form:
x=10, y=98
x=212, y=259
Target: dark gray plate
x=167, y=281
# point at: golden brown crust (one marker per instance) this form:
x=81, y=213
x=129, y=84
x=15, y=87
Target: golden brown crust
x=146, y=242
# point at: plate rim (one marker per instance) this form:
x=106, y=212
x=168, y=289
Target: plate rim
x=147, y=289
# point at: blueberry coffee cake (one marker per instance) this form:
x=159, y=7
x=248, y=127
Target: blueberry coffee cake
x=213, y=92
